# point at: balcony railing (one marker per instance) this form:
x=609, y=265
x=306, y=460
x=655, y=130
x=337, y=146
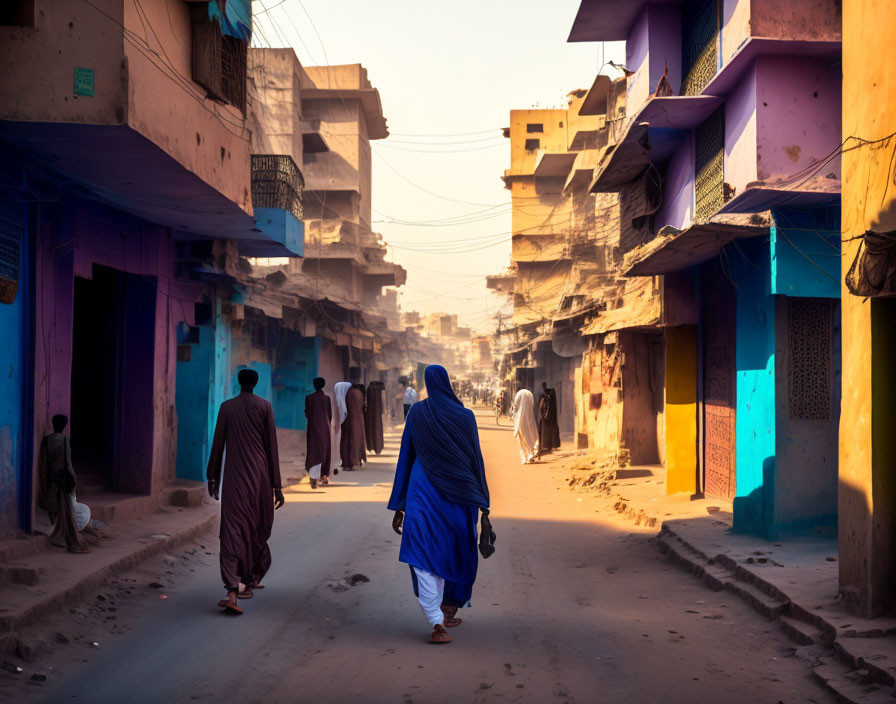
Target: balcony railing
x=277, y=183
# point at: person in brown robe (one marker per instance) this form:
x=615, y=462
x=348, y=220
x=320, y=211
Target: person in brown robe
x=56, y=484
x=245, y=428
x=352, y=443
x=548, y=428
x=373, y=416
x=319, y=412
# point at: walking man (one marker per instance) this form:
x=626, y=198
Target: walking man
x=245, y=428
x=319, y=412
x=410, y=398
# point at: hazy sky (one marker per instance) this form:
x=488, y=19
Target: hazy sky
x=448, y=75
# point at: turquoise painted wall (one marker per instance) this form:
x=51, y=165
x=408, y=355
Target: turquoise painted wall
x=297, y=364
x=195, y=381
x=805, y=252
x=263, y=388
x=750, y=267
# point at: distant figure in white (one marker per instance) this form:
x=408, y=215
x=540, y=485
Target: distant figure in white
x=410, y=398
x=524, y=429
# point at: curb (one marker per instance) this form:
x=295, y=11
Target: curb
x=75, y=592
x=853, y=679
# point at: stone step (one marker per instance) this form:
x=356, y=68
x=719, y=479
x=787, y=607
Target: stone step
x=877, y=655
x=768, y=606
x=851, y=686
x=800, y=632
x=19, y=574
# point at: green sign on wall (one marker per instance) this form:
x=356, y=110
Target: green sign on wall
x=84, y=81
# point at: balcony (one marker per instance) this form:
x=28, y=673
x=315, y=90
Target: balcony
x=277, y=187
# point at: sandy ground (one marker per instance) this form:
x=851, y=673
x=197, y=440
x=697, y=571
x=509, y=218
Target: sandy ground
x=577, y=605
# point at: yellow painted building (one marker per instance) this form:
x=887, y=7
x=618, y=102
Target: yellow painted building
x=867, y=489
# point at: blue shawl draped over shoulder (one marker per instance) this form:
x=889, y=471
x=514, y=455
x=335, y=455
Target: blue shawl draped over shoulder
x=442, y=435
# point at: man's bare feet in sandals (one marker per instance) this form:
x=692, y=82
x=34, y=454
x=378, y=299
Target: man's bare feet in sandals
x=439, y=634
x=228, y=603
x=451, y=621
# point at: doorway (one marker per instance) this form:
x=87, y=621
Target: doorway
x=112, y=380
x=719, y=382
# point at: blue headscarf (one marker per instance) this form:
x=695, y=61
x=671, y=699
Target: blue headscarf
x=446, y=441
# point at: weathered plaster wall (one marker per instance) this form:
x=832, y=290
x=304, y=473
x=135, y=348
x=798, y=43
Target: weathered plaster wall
x=681, y=409
x=39, y=64
x=805, y=483
x=798, y=116
x=741, y=133
x=805, y=252
x=867, y=510
x=807, y=20
x=677, y=208
x=216, y=150
x=653, y=45
x=735, y=22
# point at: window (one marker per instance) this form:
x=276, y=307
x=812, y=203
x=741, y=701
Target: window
x=534, y=127
x=532, y=145
x=218, y=61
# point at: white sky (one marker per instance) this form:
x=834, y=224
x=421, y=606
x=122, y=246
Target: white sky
x=444, y=68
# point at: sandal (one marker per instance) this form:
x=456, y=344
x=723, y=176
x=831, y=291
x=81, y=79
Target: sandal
x=313, y=483
x=247, y=594
x=227, y=606
x=439, y=635
x=450, y=619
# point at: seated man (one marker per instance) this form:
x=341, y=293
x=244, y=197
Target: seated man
x=57, y=488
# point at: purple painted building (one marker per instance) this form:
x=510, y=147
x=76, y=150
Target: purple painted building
x=124, y=155
x=726, y=160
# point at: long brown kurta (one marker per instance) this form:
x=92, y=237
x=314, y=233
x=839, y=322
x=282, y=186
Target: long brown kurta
x=373, y=416
x=246, y=429
x=54, y=468
x=319, y=412
x=351, y=446
x=548, y=428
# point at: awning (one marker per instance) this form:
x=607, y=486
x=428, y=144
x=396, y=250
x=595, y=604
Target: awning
x=674, y=250
x=608, y=20
x=595, y=102
x=642, y=308
x=758, y=199
x=553, y=164
x=623, y=161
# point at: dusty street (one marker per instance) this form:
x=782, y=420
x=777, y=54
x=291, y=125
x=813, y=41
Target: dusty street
x=573, y=607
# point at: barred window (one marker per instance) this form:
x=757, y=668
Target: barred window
x=810, y=370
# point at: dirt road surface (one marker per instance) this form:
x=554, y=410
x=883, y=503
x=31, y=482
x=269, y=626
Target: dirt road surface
x=576, y=606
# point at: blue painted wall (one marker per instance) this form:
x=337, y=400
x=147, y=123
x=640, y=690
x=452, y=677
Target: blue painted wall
x=750, y=268
x=15, y=354
x=195, y=380
x=297, y=364
x=263, y=388
x=12, y=323
x=805, y=252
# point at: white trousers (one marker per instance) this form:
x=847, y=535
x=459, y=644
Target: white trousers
x=314, y=472
x=430, y=590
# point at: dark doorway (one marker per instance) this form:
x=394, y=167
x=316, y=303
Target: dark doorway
x=112, y=380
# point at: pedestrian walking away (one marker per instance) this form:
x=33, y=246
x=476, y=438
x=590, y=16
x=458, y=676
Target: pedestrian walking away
x=245, y=429
x=57, y=484
x=319, y=412
x=410, y=398
x=524, y=429
x=438, y=491
x=548, y=428
x=373, y=416
x=352, y=445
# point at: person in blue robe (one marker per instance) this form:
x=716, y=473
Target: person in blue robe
x=438, y=492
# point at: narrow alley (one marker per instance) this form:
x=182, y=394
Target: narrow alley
x=575, y=606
